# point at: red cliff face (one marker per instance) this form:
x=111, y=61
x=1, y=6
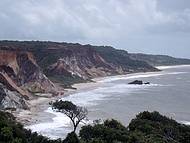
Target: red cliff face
x=85, y=63
x=19, y=72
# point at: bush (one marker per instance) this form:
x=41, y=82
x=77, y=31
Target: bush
x=71, y=138
x=13, y=132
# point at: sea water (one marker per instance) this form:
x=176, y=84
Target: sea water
x=168, y=93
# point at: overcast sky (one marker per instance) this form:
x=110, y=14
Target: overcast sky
x=148, y=26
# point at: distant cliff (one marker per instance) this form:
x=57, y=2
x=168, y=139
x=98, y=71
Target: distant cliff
x=28, y=67
x=160, y=60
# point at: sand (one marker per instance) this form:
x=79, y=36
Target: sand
x=37, y=106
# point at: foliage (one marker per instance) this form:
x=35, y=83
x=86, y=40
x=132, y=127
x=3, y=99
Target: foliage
x=145, y=128
x=71, y=138
x=13, y=132
x=157, y=127
x=108, y=132
x=121, y=58
x=75, y=113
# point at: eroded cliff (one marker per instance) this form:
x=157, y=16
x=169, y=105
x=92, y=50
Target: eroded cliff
x=20, y=76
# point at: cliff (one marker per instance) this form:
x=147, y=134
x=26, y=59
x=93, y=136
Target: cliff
x=68, y=63
x=20, y=76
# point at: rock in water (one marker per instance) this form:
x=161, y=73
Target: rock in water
x=147, y=83
x=139, y=82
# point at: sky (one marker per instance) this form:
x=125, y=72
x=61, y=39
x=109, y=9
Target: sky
x=140, y=26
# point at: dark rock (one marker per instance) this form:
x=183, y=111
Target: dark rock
x=147, y=83
x=139, y=82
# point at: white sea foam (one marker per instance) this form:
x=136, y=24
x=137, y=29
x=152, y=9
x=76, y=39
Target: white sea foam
x=85, y=98
x=124, y=88
x=110, y=79
x=185, y=122
x=59, y=124
x=59, y=121
x=169, y=67
x=91, y=97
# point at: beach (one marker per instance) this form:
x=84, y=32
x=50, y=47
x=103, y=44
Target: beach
x=38, y=105
x=108, y=95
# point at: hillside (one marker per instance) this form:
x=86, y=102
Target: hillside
x=160, y=60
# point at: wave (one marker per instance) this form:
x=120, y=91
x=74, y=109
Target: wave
x=93, y=97
x=146, y=75
x=185, y=122
x=58, y=127
x=86, y=98
x=169, y=67
x=59, y=122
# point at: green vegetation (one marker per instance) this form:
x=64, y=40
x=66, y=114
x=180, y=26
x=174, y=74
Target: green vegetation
x=145, y=128
x=121, y=57
x=13, y=132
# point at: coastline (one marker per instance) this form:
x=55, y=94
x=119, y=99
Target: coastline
x=37, y=113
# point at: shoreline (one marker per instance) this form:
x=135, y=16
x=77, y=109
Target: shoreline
x=173, y=66
x=39, y=105
x=37, y=113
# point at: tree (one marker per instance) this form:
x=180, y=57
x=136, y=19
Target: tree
x=75, y=113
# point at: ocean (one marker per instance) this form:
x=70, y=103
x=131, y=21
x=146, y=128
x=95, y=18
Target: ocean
x=113, y=97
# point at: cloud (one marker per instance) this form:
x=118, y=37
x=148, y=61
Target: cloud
x=112, y=22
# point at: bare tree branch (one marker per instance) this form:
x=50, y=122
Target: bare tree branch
x=75, y=113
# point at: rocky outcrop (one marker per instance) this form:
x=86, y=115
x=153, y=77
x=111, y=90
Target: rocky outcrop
x=20, y=77
x=85, y=64
x=11, y=99
x=10, y=84
x=19, y=71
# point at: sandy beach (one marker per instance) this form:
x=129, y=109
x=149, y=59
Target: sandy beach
x=37, y=114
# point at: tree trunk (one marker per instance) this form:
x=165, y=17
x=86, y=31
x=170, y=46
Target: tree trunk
x=75, y=127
